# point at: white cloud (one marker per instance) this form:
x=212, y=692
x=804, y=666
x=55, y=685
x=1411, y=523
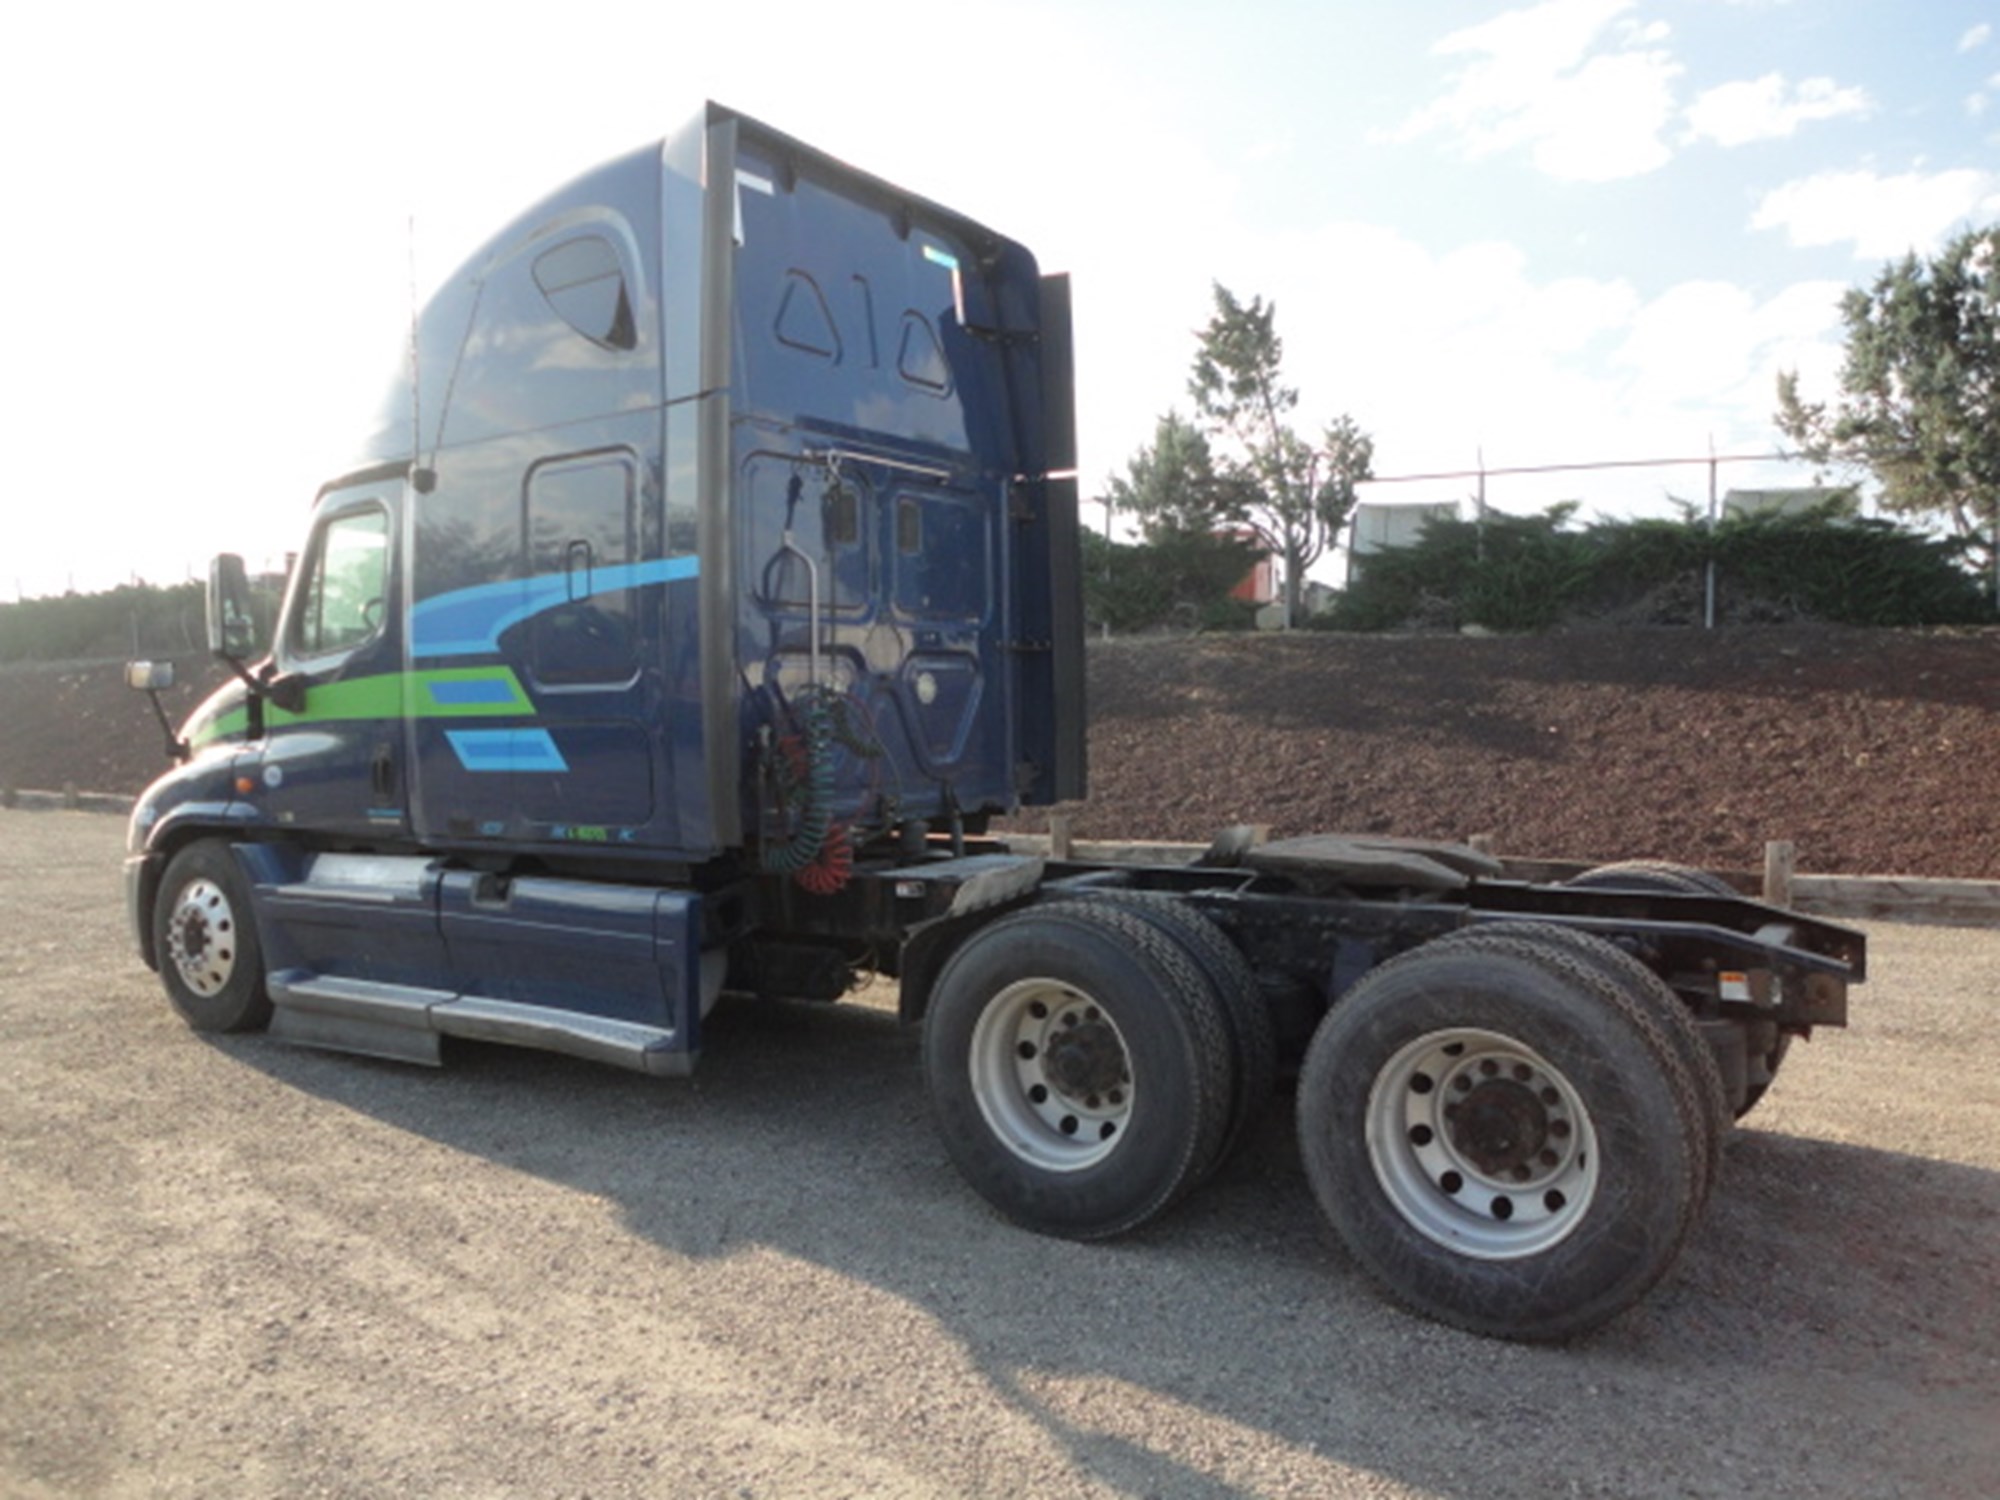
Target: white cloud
x=1978, y=36
x=1768, y=108
x=1431, y=350
x=1547, y=79
x=1710, y=347
x=1451, y=356
x=1881, y=216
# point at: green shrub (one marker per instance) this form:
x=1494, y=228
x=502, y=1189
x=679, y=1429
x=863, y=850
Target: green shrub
x=1518, y=573
x=1505, y=573
x=1854, y=572
x=1180, y=580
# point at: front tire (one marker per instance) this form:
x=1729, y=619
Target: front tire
x=210, y=960
x=1079, y=1068
x=1503, y=1138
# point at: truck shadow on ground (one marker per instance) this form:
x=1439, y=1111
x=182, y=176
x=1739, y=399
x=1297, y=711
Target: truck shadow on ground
x=1833, y=1317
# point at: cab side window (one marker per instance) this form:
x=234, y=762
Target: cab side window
x=346, y=590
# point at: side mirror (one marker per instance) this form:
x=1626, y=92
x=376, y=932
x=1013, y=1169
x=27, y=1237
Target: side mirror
x=232, y=629
x=153, y=678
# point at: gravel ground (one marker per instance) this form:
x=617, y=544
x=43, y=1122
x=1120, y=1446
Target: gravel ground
x=235, y=1268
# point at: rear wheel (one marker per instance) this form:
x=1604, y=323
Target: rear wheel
x=1253, y=1038
x=1079, y=1068
x=1504, y=1137
x=1683, y=880
x=1653, y=997
x=1772, y=1060
x=206, y=941
x=1654, y=875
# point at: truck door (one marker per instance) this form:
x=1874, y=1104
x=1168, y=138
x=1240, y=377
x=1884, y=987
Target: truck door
x=584, y=651
x=536, y=678
x=334, y=757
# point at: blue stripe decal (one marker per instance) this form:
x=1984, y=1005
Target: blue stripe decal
x=506, y=750
x=470, y=622
x=470, y=690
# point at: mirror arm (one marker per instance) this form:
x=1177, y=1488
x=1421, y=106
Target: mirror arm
x=177, y=748
x=259, y=688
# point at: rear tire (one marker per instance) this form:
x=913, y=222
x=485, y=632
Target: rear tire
x=1654, y=875
x=1503, y=1137
x=1773, y=1060
x=1253, y=1036
x=206, y=940
x=1079, y=1068
x=1652, y=995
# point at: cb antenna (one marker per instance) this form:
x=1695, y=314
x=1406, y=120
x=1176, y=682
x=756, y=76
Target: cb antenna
x=419, y=476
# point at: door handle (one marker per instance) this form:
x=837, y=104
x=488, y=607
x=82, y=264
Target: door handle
x=578, y=562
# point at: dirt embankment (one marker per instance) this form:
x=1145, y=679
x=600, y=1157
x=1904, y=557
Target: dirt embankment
x=1876, y=752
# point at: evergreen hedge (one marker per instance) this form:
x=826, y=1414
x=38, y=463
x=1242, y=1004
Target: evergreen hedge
x=1516, y=573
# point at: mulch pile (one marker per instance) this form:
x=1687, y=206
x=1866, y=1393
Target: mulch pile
x=1875, y=752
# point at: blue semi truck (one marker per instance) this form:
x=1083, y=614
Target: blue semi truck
x=708, y=590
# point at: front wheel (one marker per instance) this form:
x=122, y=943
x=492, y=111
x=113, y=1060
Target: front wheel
x=206, y=940
x=1503, y=1138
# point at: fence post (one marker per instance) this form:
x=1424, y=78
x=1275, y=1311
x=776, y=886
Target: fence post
x=1708, y=568
x=1778, y=858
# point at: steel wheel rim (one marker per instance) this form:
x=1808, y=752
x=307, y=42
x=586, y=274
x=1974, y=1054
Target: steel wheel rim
x=201, y=937
x=1052, y=1075
x=1481, y=1144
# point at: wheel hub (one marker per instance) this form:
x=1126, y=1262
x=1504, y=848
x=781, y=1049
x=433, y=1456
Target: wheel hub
x=1481, y=1144
x=1052, y=1075
x=1498, y=1126
x=194, y=936
x=200, y=937
x=1085, y=1060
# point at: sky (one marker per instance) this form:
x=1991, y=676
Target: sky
x=1498, y=235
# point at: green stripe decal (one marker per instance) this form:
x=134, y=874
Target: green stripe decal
x=468, y=693
x=446, y=693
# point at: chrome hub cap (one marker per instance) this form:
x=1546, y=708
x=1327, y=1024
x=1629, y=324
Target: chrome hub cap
x=201, y=937
x=1052, y=1075
x=1481, y=1144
